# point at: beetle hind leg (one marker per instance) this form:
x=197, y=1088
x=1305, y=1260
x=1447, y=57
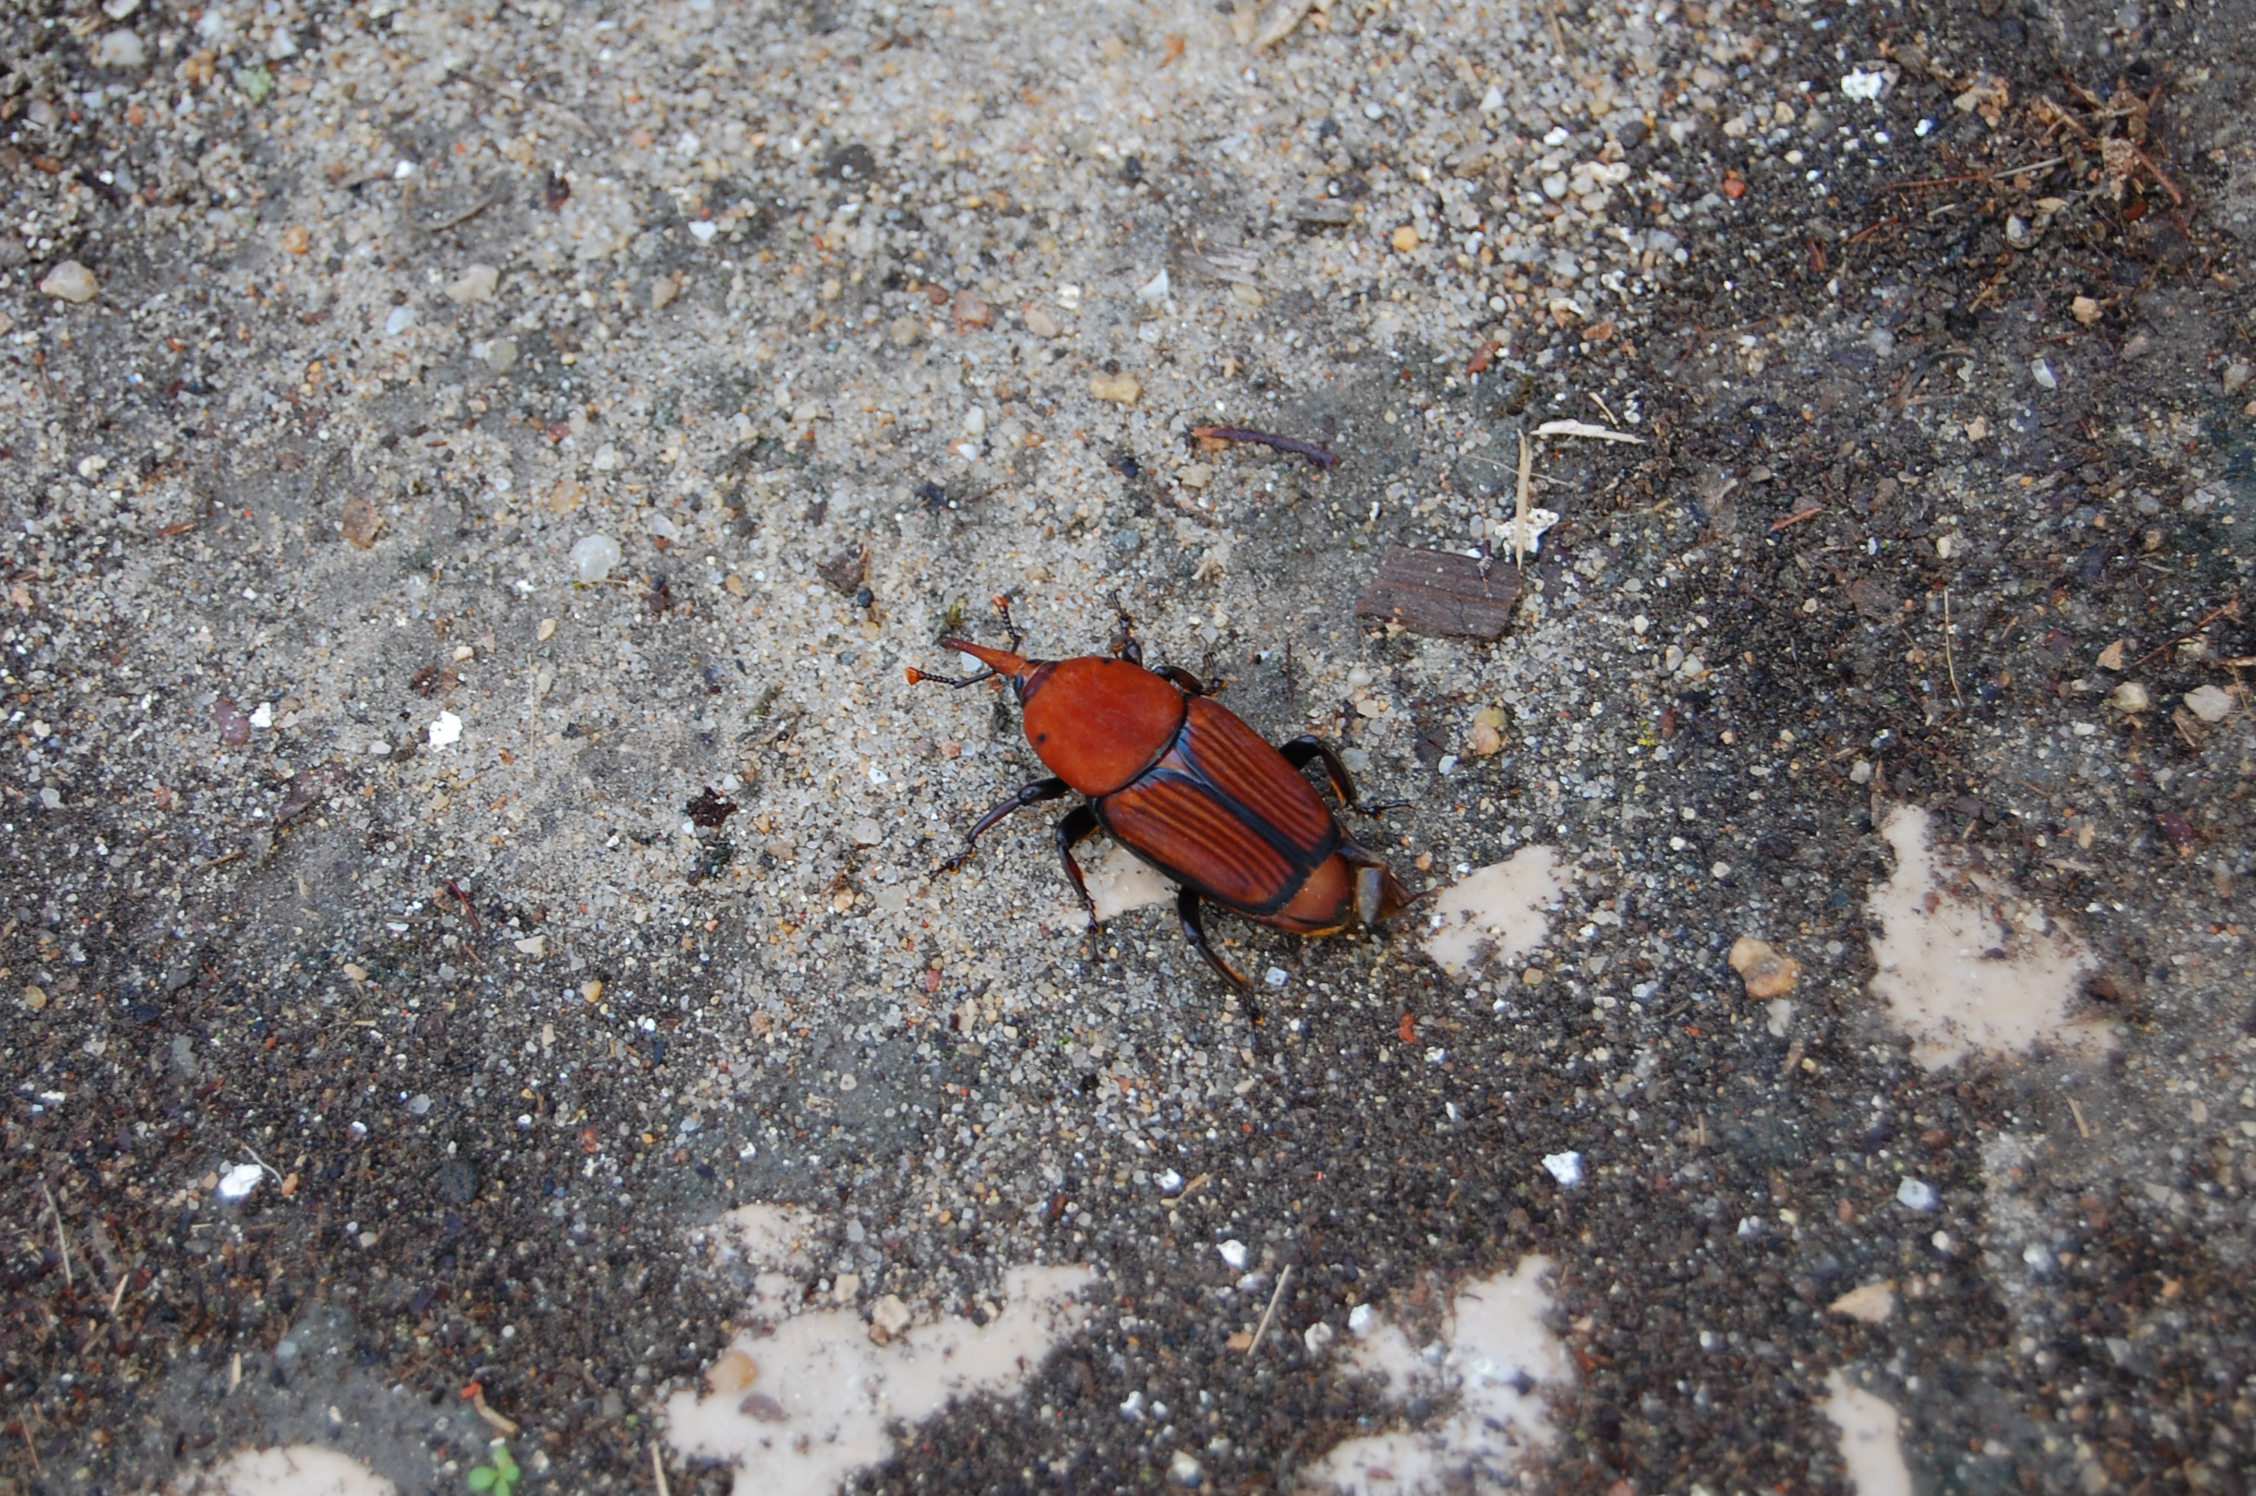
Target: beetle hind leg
x=1188, y=909
x=1307, y=746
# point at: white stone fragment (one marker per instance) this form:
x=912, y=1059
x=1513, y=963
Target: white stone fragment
x=239, y=1181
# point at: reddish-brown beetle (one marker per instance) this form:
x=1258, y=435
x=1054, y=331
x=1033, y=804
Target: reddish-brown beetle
x=1184, y=784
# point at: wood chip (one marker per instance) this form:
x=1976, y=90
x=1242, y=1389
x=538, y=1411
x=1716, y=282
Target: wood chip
x=361, y=523
x=1119, y=389
x=1584, y=428
x=1871, y=1303
x=1440, y=594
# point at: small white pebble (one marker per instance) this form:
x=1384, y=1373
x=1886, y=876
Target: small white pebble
x=239, y=1181
x=1233, y=1254
x=1361, y=1320
x=2209, y=703
x=1858, y=84
x=593, y=556
x=446, y=731
x=70, y=281
x=475, y=284
x=1564, y=1167
x=1917, y=1194
x=1275, y=976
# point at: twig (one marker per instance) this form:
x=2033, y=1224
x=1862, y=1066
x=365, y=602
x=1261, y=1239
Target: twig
x=61, y=1241
x=1950, y=660
x=459, y=219
x=117, y=1295
x=262, y=1163
x=1316, y=455
x=1270, y=1313
x=2083, y=1128
x=505, y=1426
x=658, y=1471
x=1523, y=506
x=1796, y=518
x=23, y=1427
x=2223, y=610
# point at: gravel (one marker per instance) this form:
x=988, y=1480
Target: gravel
x=450, y=453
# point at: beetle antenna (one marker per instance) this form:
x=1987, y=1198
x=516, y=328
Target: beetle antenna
x=1002, y=606
x=919, y=677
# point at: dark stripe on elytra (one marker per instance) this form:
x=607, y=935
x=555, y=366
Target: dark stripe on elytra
x=1206, y=833
x=1297, y=858
x=1222, y=759
x=1198, y=885
x=1297, y=852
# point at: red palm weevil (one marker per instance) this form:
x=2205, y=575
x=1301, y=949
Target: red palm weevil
x=1189, y=788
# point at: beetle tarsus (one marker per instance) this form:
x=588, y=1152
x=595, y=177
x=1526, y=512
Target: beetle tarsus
x=1381, y=807
x=1189, y=682
x=1126, y=646
x=1189, y=909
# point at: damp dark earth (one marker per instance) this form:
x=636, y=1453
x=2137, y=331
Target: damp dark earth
x=1772, y=487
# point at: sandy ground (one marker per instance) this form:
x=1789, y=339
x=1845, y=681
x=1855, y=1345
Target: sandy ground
x=475, y=475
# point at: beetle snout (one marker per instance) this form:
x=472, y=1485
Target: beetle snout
x=1013, y=667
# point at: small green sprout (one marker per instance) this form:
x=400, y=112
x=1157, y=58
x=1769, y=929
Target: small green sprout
x=501, y=1476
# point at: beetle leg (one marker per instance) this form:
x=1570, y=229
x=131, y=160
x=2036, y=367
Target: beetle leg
x=1031, y=794
x=1307, y=746
x=1076, y=826
x=1301, y=749
x=1183, y=678
x=1127, y=647
x=1187, y=909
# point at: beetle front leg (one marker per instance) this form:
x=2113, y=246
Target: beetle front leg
x=1188, y=909
x=1127, y=646
x=1031, y=794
